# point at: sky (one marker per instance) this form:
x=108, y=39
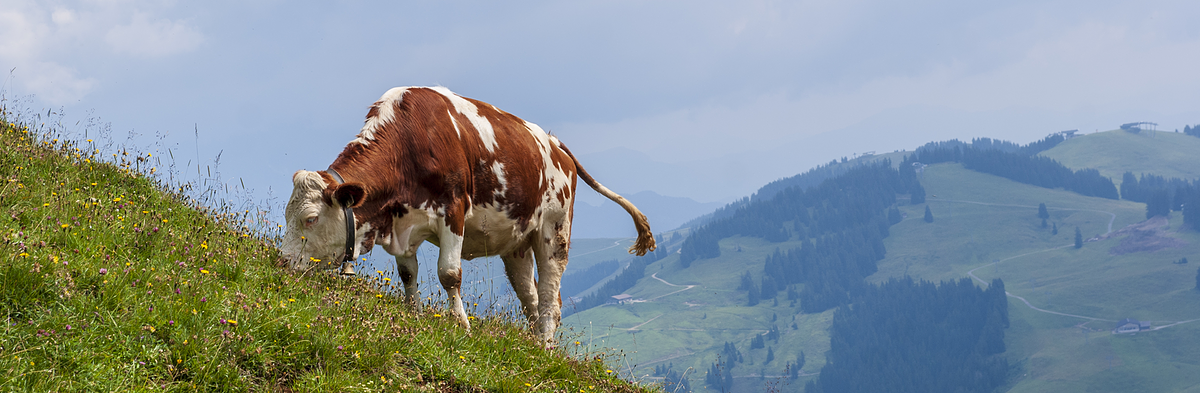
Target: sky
x=699, y=99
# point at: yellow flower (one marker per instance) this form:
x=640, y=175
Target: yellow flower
x=437, y=315
x=231, y=322
x=202, y=271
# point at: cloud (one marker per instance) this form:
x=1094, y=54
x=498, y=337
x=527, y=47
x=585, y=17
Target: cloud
x=153, y=38
x=56, y=84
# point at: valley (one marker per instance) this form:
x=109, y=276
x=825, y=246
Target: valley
x=1064, y=301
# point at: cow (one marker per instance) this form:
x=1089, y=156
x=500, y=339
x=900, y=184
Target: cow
x=430, y=165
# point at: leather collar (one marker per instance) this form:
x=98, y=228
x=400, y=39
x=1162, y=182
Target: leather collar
x=349, y=212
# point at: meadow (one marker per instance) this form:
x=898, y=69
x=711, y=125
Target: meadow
x=112, y=279
x=979, y=219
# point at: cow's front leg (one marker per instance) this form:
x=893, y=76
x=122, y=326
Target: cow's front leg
x=406, y=266
x=450, y=272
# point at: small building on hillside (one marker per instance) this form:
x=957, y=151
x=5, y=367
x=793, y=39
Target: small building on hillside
x=622, y=298
x=1130, y=325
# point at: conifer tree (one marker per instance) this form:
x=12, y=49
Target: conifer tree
x=1042, y=213
x=1054, y=231
x=928, y=214
x=1078, y=238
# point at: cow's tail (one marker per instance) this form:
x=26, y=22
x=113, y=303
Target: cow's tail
x=645, y=240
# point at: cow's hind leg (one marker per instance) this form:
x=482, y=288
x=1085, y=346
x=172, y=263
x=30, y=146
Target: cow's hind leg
x=551, y=256
x=406, y=266
x=519, y=266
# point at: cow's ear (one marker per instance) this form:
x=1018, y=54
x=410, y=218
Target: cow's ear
x=350, y=194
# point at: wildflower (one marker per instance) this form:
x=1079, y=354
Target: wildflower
x=292, y=300
x=202, y=271
x=232, y=322
x=437, y=315
x=103, y=271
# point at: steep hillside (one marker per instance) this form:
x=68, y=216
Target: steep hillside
x=1166, y=154
x=109, y=283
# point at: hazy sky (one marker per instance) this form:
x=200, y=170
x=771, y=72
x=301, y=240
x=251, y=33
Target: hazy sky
x=734, y=93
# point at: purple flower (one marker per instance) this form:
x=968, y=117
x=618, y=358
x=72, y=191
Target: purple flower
x=203, y=299
x=171, y=322
x=339, y=347
x=103, y=271
x=222, y=321
x=68, y=327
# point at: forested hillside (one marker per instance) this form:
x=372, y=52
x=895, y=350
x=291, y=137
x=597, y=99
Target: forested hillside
x=907, y=336
x=803, y=287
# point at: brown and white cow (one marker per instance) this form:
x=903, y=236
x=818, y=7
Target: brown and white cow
x=430, y=165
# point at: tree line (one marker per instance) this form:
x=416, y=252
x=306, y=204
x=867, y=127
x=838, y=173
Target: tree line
x=1193, y=131
x=909, y=336
x=855, y=199
x=1164, y=195
x=575, y=283
x=1029, y=169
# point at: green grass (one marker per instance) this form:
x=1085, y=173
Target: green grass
x=1166, y=154
x=1048, y=352
x=108, y=283
x=689, y=328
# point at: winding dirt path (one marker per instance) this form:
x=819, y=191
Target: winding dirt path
x=655, y=276
x=971, y=273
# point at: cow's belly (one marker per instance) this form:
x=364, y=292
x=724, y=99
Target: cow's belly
x=489, y=231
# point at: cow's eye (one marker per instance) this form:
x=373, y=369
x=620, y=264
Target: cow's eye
x=309, y=221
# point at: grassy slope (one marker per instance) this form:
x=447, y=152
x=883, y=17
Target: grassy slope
x=1048, y=350
x=1113, y=153
x=109, y=284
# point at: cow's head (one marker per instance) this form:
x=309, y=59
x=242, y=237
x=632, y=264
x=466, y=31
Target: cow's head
x=316, y=224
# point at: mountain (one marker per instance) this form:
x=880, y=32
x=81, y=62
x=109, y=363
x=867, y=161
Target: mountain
x=1166, y=154
x=1063, y=301
x=609, y=220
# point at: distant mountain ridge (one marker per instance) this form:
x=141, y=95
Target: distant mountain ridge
x=689, y=314
x=609, y=220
